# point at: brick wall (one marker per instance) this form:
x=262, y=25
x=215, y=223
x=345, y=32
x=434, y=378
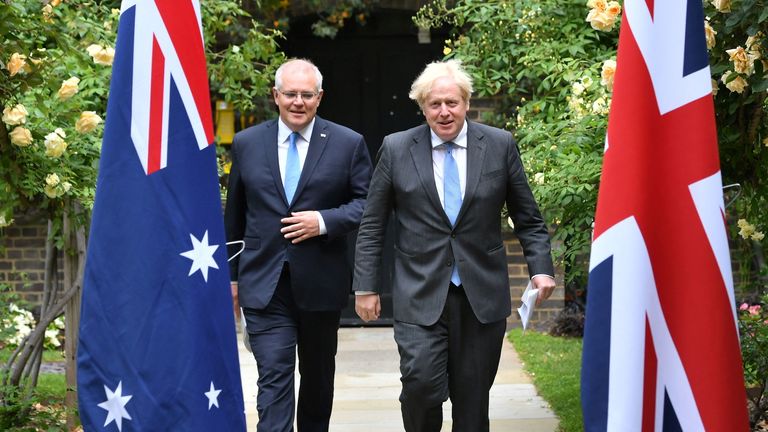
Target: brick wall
x=518, y=280
x=480, y=106
x=22, y=257
x=22, y=264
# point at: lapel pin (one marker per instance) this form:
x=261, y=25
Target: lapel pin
x=322, y=135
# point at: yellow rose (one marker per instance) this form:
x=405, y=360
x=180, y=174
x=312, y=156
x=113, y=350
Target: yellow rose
x=765, y=142
x=17, y=64
x=709, y=34
x=54, y=187
x=600, y=5
x=69, y=88
x=741, y=223
x=737, y=85
x=600, y=106
x=607, y=73
x=52, y=180
x=15, y=116
x=47, y=12
x=722, y=5
x=613, y=8
x=757, y=236
x=747, y=229
x=21, y=136
x=101, y=55
x=55, y=144
x=741, y=61
x=50, y=192
x=577, y=88
x=577, y=106
x=93, y=49
x=601, y=20
x=87, y=122
x=55, y=3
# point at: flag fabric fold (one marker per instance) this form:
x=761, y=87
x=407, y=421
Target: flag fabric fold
x=157, y=343
x=661, y=348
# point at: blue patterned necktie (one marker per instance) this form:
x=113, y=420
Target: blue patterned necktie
x=451, y=195
x=292, y=168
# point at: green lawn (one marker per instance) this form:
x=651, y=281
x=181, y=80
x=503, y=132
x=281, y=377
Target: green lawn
x=555, y=366
x=48, y=355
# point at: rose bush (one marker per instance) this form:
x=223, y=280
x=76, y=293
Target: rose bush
x=753, y=329
x=551, y=75
x=55, y=66
x=539, y=60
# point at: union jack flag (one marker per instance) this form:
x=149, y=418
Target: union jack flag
x=661, y=347
x=157, y=345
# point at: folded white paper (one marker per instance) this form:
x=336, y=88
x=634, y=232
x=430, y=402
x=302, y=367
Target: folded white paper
x=529, y=303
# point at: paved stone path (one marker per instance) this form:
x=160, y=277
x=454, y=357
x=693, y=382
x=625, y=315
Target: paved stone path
x=368, y=385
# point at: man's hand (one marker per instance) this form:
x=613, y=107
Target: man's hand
x=235, y=300
x=300, y=226
x=545, y=285
x=368, y=307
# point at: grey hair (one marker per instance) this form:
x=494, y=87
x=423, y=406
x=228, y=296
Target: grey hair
x=452, y=68
x=306, y=64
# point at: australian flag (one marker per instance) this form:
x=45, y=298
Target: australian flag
x=661, y=347
x=158, y=349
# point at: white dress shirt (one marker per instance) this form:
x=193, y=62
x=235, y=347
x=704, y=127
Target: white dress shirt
x=459, y=155
x=302, y=145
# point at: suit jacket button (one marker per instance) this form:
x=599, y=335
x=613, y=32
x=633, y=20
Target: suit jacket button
x=453, y=235
x=449, y=263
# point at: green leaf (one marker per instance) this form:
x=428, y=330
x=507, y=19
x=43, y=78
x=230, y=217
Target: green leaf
x=761, y=86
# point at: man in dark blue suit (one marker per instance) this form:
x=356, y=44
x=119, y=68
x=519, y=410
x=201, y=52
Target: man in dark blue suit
x=297, y=187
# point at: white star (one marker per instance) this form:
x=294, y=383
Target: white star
x=115, y=406
x=213, y=397
x=201, y=255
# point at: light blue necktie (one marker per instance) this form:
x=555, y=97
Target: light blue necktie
x=451, y=195
x=292, y=168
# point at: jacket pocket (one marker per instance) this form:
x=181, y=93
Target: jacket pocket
x=493, y=174
x=495, y=248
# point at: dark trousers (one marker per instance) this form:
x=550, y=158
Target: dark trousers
x=456, y=357
x=274, y=333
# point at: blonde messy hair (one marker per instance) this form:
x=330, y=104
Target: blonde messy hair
x=452, y=68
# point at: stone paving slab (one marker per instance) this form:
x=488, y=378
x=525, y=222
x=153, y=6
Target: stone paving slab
x=368, y=387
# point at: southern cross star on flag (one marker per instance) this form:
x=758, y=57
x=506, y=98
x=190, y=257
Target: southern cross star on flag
x=661, y=347
x=157, y=348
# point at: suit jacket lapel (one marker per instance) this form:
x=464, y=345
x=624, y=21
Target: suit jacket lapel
x=317, y=144
x=421, y=152
x=270, y=155
x=475, y=159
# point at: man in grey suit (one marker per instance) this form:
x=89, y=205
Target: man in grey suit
x=445, y=184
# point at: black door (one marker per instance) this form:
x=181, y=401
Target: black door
x=367, y=74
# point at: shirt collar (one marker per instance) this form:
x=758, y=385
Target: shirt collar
x=283, y=131
x=460, y=140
